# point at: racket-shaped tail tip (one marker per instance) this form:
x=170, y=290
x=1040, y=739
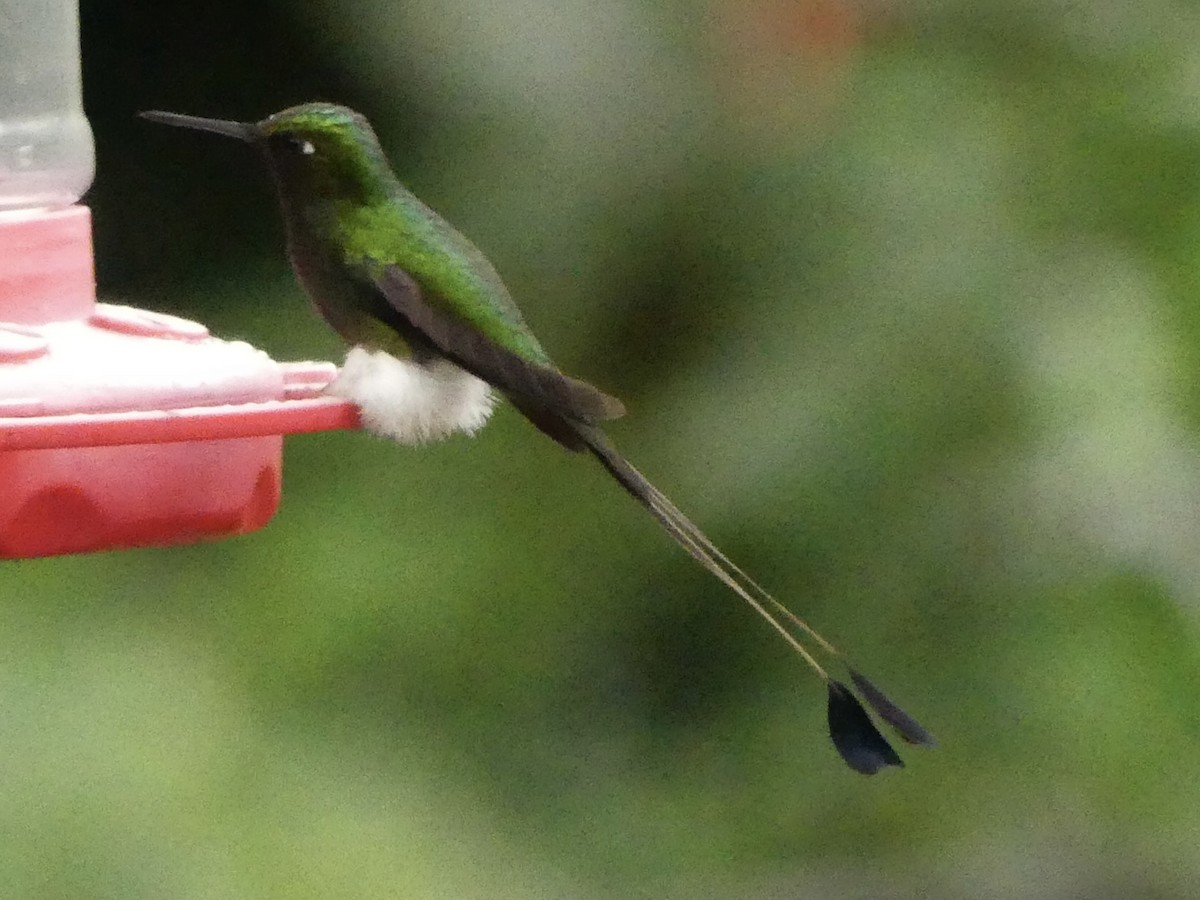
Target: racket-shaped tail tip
x=856, y=738
x=905, y=725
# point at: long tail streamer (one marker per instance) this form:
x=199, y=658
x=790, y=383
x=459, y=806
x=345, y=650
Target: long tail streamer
x=855, y=736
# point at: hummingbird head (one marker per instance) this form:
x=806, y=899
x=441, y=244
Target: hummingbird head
x=315, y=151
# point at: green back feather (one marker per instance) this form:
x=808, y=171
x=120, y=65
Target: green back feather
x=351, y=201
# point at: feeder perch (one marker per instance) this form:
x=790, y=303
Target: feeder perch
x=119, y=427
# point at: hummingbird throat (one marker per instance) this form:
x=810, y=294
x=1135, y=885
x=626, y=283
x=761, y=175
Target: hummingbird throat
x=411, y=402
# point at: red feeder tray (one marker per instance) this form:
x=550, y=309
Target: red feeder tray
x=126, y=428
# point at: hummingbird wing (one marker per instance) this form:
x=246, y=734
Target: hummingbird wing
x=530, y=385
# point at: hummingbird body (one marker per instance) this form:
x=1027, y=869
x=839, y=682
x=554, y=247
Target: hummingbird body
x=345, y=220
x=433, y=331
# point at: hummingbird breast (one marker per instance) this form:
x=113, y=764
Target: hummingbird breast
x=339, y=295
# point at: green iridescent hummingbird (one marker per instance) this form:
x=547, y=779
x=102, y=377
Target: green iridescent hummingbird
x=434, y=335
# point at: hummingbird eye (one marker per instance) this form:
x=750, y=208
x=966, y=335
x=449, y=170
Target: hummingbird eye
x=299, y=145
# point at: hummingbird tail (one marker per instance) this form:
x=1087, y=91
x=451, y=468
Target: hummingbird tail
x=704, y=551
x=859, y=743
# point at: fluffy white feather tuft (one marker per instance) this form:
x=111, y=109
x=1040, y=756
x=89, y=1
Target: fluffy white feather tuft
x=409, y=402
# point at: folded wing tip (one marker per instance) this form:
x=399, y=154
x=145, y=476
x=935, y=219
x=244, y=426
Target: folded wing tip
x=613, y=408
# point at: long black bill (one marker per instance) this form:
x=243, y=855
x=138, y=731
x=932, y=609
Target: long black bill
x=243, y=131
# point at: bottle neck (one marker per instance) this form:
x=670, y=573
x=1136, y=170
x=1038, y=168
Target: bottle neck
x=46, y=271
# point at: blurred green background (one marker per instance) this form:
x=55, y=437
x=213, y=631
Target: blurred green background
x=902, y=299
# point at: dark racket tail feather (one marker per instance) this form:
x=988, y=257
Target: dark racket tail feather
x=860, y=744
x=905, y=725
x=855, y=736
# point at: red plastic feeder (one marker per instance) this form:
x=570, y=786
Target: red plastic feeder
x=126, y=428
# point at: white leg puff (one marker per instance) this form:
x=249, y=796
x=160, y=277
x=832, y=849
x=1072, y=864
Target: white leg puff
x=410, y=402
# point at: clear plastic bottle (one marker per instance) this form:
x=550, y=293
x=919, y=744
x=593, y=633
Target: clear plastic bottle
x=46, y=153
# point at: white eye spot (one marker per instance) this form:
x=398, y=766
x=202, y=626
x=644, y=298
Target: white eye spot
x=307, y=148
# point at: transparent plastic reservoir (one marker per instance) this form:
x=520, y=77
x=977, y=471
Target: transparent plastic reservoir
x=46, y=153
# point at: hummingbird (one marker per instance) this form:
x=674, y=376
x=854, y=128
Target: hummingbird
x=435, y=337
